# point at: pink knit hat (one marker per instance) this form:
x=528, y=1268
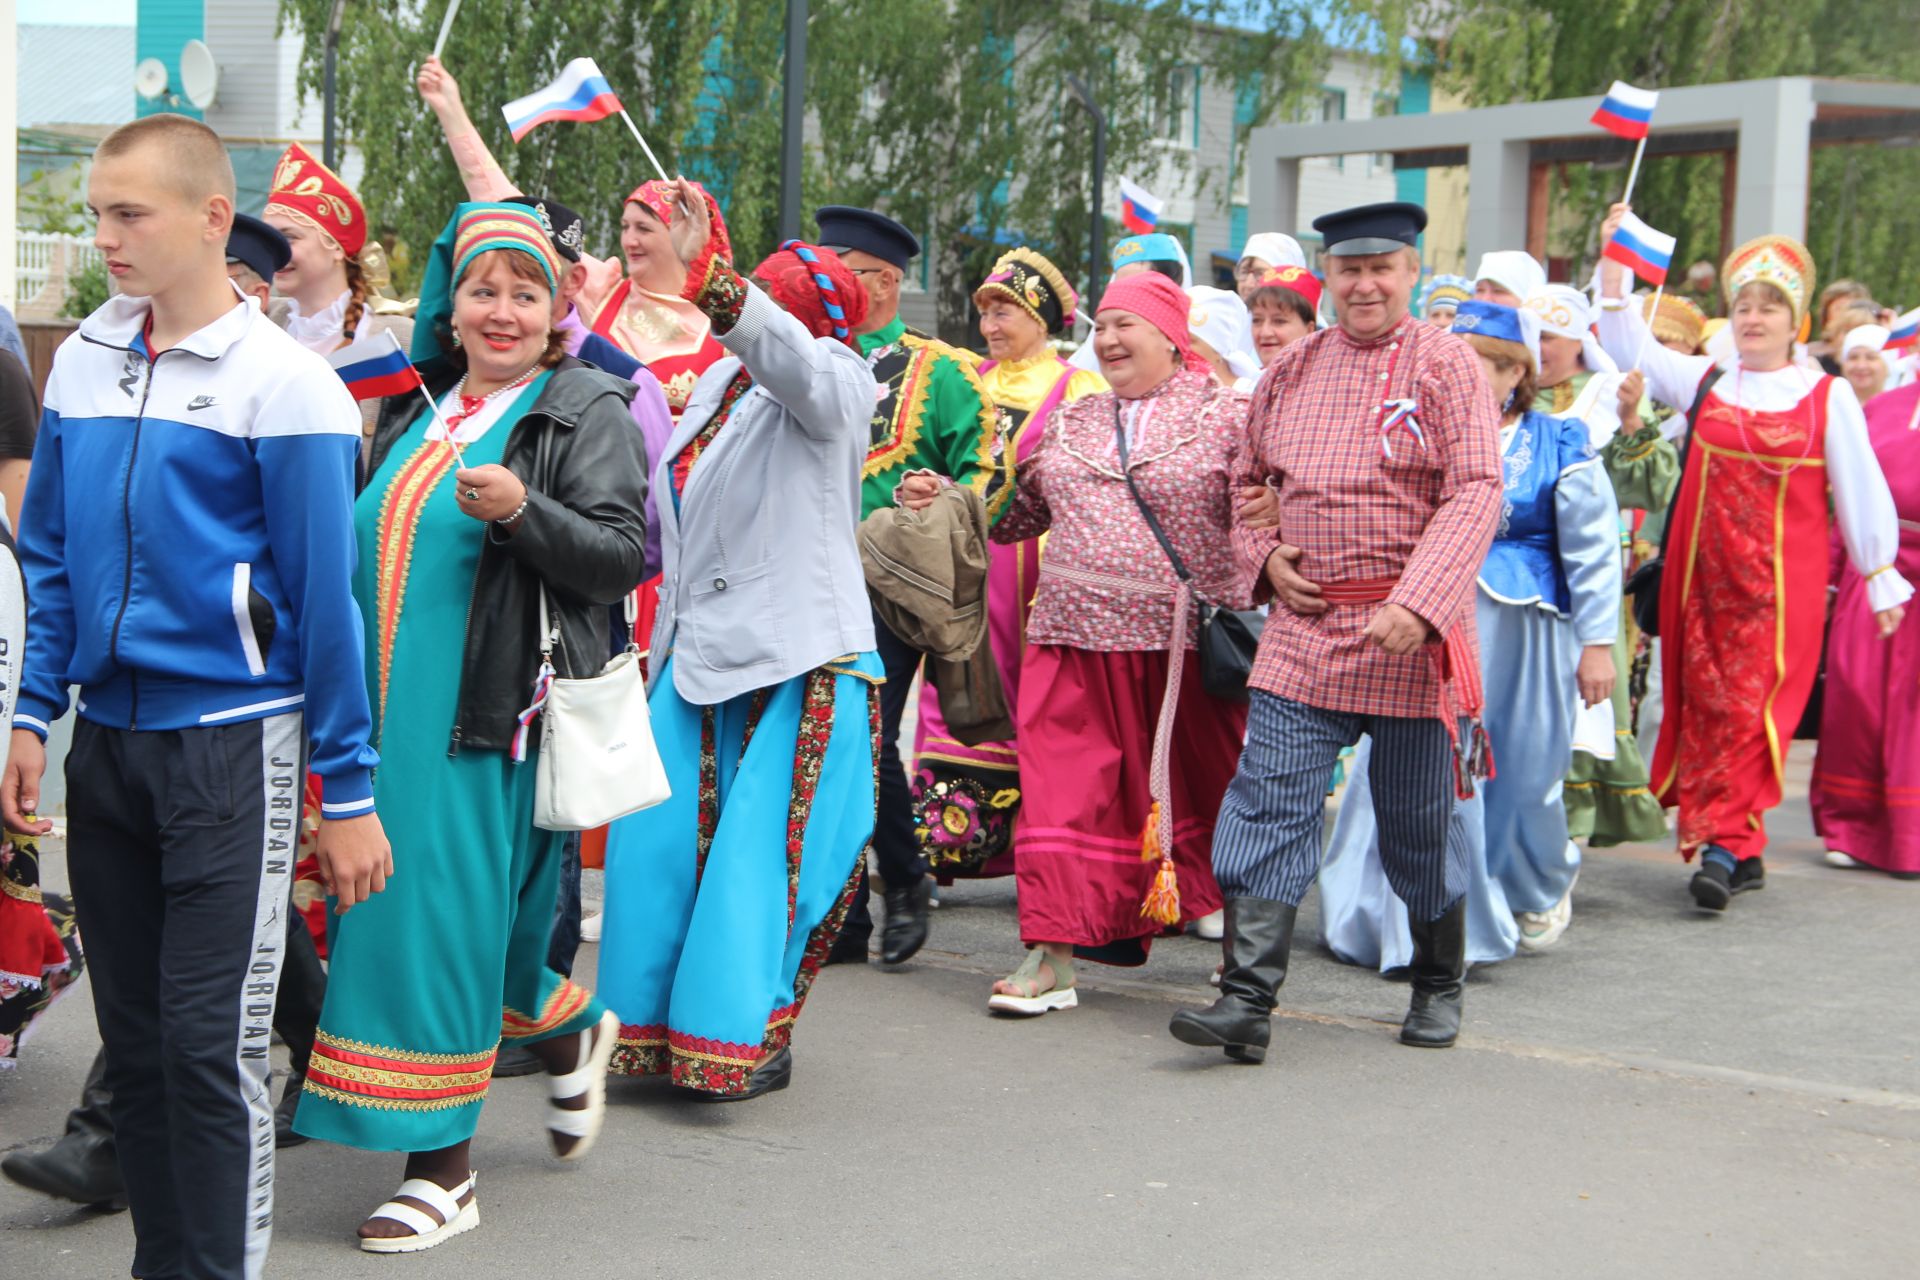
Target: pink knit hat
x=1162, y=304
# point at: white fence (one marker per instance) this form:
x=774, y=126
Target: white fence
x=36, y=256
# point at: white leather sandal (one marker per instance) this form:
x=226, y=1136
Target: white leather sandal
x=455, y=1218
x=590, y=1078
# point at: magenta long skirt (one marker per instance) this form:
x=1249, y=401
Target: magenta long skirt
x=1086, y=722
x=1866, y=778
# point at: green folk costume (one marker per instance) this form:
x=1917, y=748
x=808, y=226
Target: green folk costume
x=1609, y=802
x=935, y=415
x=428, y=976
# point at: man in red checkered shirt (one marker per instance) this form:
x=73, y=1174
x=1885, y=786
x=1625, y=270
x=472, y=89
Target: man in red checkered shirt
x=1380, y=438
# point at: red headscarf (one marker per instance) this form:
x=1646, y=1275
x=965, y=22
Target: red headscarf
x=1162, y=304
x=655, y=196
x=790, y=280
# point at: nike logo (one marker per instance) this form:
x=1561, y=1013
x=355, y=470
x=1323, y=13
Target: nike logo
x=199, y=402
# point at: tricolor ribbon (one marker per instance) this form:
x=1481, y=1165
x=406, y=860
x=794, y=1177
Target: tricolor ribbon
x=1394, y=413
x=542, y=685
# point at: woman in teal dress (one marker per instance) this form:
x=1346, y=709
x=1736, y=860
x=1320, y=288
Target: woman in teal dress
x=723, y=902
x=529, y=474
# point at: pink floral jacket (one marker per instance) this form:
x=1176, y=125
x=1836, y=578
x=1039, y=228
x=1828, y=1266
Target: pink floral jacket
x=1105, y=584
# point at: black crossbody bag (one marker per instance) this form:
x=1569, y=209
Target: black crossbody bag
x=1228, y=638
x=1644, y=585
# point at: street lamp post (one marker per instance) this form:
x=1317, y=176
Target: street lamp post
x=1077, y=89
x=793, y=118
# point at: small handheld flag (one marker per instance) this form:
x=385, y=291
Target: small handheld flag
x=581, y=93
x=375, y=367
x=1139, y=208
x=1640, y=247
x=1627, y=111
x=1906, y=332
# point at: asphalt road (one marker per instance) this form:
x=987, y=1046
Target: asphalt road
x=1665, y=1094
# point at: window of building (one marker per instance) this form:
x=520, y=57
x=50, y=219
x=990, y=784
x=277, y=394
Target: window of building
x=1176, y=116
x=1333, y=106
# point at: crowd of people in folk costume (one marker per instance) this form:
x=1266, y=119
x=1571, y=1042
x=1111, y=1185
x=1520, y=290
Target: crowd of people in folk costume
x=303, y=633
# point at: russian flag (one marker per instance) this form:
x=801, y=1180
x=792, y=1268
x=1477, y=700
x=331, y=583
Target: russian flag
x=581, y=93
x=1626, y=110
x=1139, y=208
x=1642, y=248
x=1906, y=332
x=374, y=368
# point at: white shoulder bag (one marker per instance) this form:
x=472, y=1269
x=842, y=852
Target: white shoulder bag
x=598, y=760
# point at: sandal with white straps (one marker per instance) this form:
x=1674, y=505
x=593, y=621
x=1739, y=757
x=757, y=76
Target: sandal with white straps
x=454, y=1218
x=589, y=1078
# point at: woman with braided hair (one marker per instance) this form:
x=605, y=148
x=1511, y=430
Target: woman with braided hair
x=723, y=903
x=325, y=282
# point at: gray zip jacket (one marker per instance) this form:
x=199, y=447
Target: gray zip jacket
x=760, y=570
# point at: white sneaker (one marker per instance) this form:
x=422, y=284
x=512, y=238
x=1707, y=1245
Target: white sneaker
x=1211, y=927
x=1844, y=861
x=1541, y=929
x=590, y=927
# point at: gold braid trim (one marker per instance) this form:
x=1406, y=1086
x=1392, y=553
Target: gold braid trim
x=392, y=1104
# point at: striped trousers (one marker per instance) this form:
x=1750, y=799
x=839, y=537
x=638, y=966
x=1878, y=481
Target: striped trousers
x=1267, y=844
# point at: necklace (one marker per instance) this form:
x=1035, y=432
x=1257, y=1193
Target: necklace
x=1740, y=423
x=470, y=405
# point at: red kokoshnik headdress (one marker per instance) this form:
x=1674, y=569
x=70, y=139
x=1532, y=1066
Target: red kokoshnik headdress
x=309, y=192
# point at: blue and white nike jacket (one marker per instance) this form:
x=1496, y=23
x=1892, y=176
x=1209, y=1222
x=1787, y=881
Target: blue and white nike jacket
x=188, y=540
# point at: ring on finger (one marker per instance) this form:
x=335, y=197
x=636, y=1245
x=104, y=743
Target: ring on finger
x=473, y=495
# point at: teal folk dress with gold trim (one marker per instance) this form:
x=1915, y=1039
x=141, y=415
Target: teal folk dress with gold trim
x=427, y=977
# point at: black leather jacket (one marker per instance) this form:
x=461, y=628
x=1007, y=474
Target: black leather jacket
x=585, y=467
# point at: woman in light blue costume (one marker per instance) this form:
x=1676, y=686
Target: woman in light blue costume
x=723, y=902
x=1547, y=609
x=529, y=478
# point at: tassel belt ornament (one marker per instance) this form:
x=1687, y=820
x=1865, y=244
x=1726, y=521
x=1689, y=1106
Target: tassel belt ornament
x=1162, y=903
x=1454, y=665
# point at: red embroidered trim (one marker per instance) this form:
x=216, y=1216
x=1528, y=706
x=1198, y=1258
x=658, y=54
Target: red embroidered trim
x=716, y=288
x=563, y=1004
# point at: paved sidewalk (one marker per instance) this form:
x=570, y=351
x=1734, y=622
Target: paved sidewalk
x=1664, y=1095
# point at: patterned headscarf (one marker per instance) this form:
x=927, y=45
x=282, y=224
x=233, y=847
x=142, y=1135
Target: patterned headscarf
x=474, y=229
x=1445, y=291
x=813, y=285
x=1027, y=279
x=656, y=197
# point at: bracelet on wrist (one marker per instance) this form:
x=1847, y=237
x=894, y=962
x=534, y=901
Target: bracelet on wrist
x=517, y=512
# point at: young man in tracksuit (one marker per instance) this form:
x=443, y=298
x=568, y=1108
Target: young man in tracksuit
x=189, y=562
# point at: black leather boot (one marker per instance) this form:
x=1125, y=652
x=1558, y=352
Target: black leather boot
x=906, y=928
x=1439, y=973
x=1259, y=936
x=82, y=1165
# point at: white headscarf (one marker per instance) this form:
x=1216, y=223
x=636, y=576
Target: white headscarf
x=1275, y=249
x=1871, y=336
x=1566, y=312
x=1513, y=270
x=1218, y=318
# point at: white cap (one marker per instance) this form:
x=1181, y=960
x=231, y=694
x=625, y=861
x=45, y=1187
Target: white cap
x=1219, y=319
x=1567, y=312
x=1871, y=336
x=1275, y=249
x=1513, y=270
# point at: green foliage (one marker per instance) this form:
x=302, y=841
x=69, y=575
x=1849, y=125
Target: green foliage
x=86, y=291
x=950, y=114
x=1862, y=220
x=47, y=209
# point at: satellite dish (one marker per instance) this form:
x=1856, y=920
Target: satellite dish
x=150, y=78
x=199, y=74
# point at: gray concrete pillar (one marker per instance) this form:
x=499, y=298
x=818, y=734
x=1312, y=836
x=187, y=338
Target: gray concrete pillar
x=1771, y=188
x=1497, y=173
x=1273, y=191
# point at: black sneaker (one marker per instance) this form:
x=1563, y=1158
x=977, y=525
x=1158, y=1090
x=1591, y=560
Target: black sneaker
x=1712, y=886
x=1748, y=874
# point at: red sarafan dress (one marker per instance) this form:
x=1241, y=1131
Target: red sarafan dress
x=1742, y=609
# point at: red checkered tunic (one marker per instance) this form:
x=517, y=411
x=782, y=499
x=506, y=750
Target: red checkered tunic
x=1418, y=502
